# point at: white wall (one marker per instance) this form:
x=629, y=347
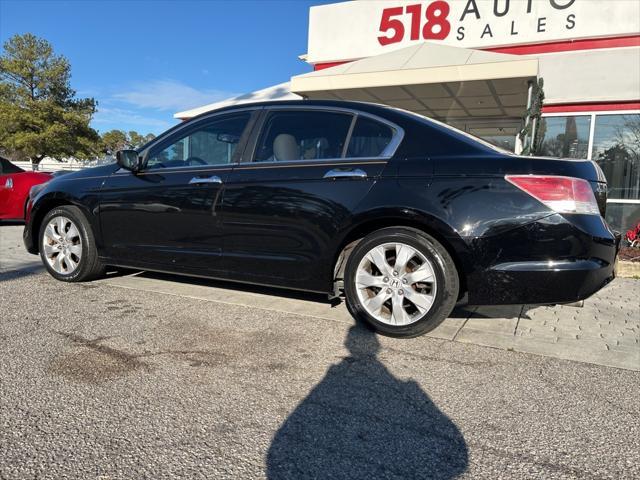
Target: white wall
x=591, y=76
x=351, y=30
x=51, y=165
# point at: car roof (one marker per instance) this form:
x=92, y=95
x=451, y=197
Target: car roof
x=373, y=108
x=398, y=116
x=363, y=106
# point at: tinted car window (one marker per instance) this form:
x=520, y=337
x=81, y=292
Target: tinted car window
x=6, y=167
x=369, y=138
x=303, y=135
x=212, y=143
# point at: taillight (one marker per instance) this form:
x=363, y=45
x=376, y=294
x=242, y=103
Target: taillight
x=561, y=194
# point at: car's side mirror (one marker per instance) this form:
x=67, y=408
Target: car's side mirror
x=129, y=160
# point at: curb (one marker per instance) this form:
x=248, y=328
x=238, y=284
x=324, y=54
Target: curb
x=628, y=269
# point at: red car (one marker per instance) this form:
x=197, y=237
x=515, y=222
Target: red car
x=15, y=184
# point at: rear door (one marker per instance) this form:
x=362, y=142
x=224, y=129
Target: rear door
x=283, y=207
x=169, y=213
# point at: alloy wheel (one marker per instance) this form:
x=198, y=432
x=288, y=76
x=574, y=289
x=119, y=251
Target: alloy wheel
x=62, y=245
x=395, y=283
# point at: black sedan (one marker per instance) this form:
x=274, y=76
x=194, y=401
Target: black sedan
x=404, y=215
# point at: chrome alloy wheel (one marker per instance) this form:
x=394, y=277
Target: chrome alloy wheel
x=396, y=284
x=62, y=245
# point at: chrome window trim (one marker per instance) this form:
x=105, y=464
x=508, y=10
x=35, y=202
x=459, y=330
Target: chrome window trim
x=311, y=163
x=195, y=168
x=387, y=153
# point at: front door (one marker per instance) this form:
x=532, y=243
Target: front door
x=169, y=213
x=283, y=209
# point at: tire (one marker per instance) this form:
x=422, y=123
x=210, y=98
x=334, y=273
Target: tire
x=85, y=262
x=372, y=280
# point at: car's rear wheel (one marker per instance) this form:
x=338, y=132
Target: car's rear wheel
x=401, y=281
x=67, y=246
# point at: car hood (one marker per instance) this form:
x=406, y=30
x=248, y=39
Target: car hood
x=102, y=170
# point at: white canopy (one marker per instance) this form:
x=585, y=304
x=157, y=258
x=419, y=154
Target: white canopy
x=431, y=79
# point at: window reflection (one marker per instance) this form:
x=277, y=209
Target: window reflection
x=211, y=143
x=616, y=148
x=565, y=137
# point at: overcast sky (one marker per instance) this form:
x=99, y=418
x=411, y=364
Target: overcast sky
x=145, y=60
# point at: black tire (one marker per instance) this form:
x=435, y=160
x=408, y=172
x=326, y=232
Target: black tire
x=445, y=271
x=89, y=267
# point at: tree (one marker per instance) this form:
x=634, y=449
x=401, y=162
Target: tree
x=40, y=115
x=115, y=140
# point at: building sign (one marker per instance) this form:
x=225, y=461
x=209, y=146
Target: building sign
x=358, y=29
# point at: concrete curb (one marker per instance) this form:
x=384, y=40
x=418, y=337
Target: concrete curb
x=629, y=269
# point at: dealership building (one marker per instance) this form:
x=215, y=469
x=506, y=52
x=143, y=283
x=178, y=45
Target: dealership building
x=475, y=64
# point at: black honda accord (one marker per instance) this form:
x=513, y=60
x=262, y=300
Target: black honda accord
x=404, y=215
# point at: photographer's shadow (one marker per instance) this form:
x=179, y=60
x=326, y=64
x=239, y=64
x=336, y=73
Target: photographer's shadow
x=360, y=422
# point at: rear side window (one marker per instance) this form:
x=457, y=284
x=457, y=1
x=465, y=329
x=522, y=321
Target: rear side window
x=303, y=135
x=369, y=138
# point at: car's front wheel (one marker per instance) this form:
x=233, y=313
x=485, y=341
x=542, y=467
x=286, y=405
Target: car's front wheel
x=401, y=281
x=67, y=245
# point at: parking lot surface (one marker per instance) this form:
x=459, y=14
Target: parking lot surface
x=146, y=376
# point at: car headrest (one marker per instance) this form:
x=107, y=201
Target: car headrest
x=285, y=147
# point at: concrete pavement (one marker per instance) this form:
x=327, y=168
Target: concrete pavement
x=606, y=331
x=106, y=382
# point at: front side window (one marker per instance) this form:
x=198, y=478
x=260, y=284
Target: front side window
x=213, y=143
x=369, y=138
x=303, y=135
x=565, y=137
x=616, y=148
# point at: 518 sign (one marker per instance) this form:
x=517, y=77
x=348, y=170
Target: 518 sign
x=435, y=27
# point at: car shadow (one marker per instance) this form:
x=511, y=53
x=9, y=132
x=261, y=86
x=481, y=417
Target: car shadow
x=361, y=422
x=241, y=287
x=491, y=311
x=460, y=311
x=15, y=272
x=11, y=223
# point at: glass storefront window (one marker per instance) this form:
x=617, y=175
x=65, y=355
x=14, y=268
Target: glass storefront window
x=622, y=216
x=616, y=148
x=565, y=137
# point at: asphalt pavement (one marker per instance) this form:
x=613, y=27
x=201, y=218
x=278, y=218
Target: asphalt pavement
x=98, y=381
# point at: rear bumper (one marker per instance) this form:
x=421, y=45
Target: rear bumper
x=554, y=260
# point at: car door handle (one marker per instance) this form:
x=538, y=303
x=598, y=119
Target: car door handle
x=211, y=179
x=346, y=173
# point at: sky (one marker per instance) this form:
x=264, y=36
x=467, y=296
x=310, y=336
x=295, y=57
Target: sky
x=145, y=60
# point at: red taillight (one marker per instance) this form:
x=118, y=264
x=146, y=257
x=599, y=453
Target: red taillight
x=561, y=194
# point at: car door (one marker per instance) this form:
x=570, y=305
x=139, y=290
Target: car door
x=168, y=214
x=283, y=206
x=5, y=185
x=10, y=208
